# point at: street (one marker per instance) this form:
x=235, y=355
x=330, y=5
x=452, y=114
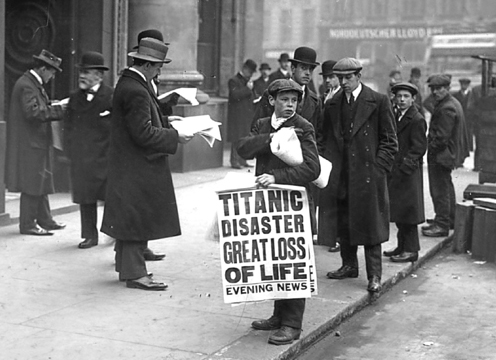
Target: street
x=444, y=310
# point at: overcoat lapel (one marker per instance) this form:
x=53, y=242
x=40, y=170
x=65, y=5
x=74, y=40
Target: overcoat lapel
x=334, y=105
x=365, y=107
x=405, y=120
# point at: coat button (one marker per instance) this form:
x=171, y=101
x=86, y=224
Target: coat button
x=367, y=180
x=366, y=163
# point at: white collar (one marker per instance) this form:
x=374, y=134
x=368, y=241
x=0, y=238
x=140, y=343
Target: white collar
x=95, y=87
x=38, y=77
x=139, y=72
x=285, y=72
x=276, y=123
x=357, y=91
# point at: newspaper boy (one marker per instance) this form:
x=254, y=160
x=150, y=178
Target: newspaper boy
x=284, y=95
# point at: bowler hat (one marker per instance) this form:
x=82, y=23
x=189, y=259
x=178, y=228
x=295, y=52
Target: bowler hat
x=150, y=33
x=415, y=72
x=405, y=86
x=152, y=50
x=250, y=64
x=347, y=66
x=48, y=58
x=439, y=80
x=305, y=55
x=92, y=60
x=327, y=67
x=264, y=66
x=281, y=85
x=283, y=57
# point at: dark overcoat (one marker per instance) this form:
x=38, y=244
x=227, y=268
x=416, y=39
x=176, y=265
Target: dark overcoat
x=86, y=142
x=372, y=147
x=140, y=203
x=240, y=108
x=257, y=144
x=29, y=138
x=275, y=75
x=405, y=182
x=447, y=139
x=259, y=86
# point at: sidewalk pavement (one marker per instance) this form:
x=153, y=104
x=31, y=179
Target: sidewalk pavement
x=61, y=302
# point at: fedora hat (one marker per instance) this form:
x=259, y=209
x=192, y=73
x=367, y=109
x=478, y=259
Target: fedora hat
x=250, y=64
x=92, y=60
x=305, y=55
x=327, y=67
x=152, y=50
x=48, y=58
x=151, y=33
x=264, y=66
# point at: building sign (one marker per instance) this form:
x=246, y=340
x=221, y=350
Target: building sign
x=266, y=248
x=385, y=33
x=463, y=41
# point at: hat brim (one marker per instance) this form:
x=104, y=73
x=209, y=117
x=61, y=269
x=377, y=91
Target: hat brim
x=95, y=67
x=397, y=88
x=137, y=46
x=346, y=72
x=327, y=73
x=137, y=55
x=46, y=62
x=304, y=62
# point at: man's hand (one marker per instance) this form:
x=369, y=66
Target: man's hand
x=174, y=118
x=184, y=136
x=265, y=180
x=250, y=84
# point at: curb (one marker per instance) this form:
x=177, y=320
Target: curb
x=365, y=300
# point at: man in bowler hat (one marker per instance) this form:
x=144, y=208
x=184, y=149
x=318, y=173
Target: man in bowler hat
x=330, y=80
x=284, y=70
x=87, y=137
x=405, y=182
x=262, y=82
x=360, y=141
x=29, y=155
x=240, y=109
x=140, y=203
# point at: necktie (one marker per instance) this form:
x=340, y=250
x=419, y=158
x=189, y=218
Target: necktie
x=352, y=100
x=397, y=114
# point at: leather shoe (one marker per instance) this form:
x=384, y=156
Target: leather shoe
x=146, y=283
x=374, y=284
x=37, y=230
x=429, y=221
x=285, y=335
x=394, y=252
x=272, y=323
x=248, y=165
x=405, y=257
x=54, y=226
x=151, y=256
x=335, y=248
x=87, y=243
x=343, y=272
x=236, y=166
x=435, y=231
x=426, y=227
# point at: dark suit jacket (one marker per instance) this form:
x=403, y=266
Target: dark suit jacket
x=370, y=155
x=29, y=138
x=240, y=108
x=140, y=202
x=405, y=182
x=278, y=75
x=259, y=86
x=87, y=138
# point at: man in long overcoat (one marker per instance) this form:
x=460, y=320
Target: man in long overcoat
x=360, y=141
x=29, y=145
x=87, y=137
x=284, y=69
x=446, y=149
x=405, y=183
x=140, y=203
x=240, y=109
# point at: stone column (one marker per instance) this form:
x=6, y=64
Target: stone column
x=178, y=22
x=4, y=217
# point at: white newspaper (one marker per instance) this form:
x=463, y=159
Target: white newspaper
x=188, y=94
x=202, y=125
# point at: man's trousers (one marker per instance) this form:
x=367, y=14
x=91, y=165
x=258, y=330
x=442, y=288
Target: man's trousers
x=34, y=210
x=129, y=259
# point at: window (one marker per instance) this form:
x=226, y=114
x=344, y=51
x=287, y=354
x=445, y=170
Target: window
x=285, y=22
x=413, y=9
x=452, y=8
x=413, y=51
x=377, y=9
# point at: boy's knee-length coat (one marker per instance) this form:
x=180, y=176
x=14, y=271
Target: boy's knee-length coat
x=372, y=147
x=140, y=203
x=405, y=183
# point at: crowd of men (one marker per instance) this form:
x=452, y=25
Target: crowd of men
x=118, y=141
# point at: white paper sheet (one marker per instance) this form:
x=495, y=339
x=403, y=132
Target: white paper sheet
x=188, y=94
x=202, y=125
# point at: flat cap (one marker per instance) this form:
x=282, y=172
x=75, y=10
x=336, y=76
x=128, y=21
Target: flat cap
x=281, y=85
x=464, y=81
x=347, y=66
x=405, y=86
x=439, y=80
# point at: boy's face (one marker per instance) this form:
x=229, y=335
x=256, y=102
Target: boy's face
x=284, y=103
x=404, y=99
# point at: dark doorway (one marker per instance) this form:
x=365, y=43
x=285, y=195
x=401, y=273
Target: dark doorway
x=208, y=44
